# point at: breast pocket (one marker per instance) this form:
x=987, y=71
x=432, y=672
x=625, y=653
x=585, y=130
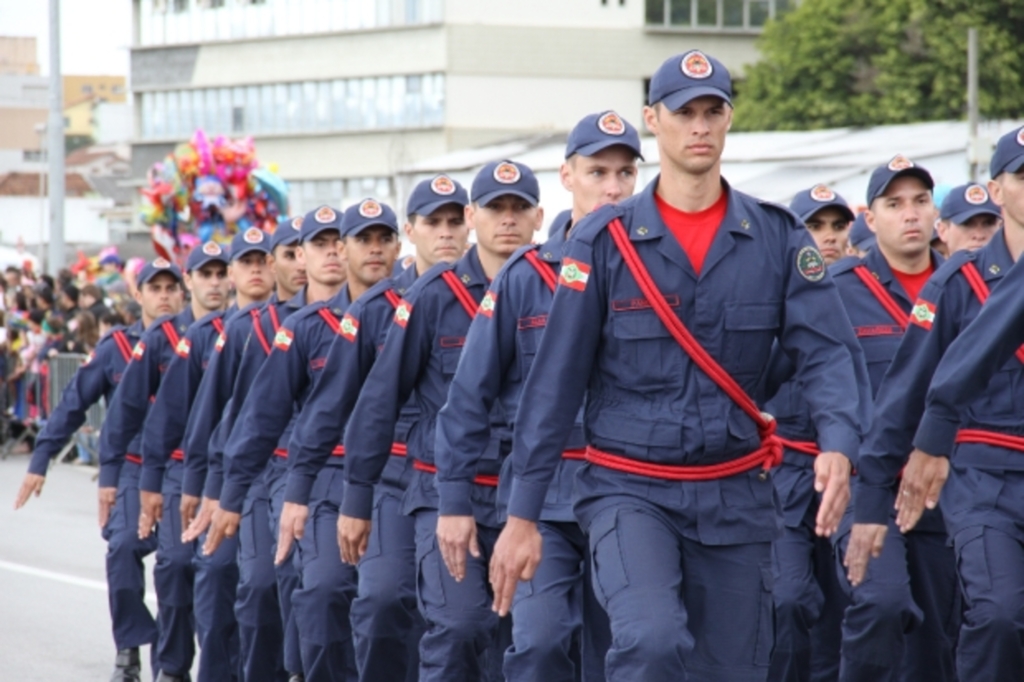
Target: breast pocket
x=527, y=342
x=450, y=361
x=750, y=329
x=649, y=355
x=878, y=353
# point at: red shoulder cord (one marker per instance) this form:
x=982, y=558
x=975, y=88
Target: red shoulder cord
x=977, y=283
x=218, y=324
x=770, y=452
x=257, y=329
x=883, y=296
x=469, y=304
x=331, y=320
x=123, y=345
x=999, y=440
x=542, y=268
x=171, y=333
x=393, y=298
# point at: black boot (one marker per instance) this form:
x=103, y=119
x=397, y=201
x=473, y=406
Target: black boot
x=126, y=666
x=297, y=677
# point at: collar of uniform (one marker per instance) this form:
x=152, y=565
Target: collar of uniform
x=469, y=270
x=879, y=267
x=404, y=280
x=648, y=224
x=298, y=300
x=232, y=309
x=551, y=250
x=209, y=317
x=560, y=225
x=184, y=319
x=135, y=329
x=994, y=258
x=340, y=302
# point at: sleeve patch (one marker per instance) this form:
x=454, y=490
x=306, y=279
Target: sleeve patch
x=490, y=300
x=574, y=274
x=810, y=264
x=349, y=327
x=283, y=339
x=402, y=313
x=139, y=351
x=923, y=314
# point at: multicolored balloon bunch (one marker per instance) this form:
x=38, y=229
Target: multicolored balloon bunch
x=210, y=190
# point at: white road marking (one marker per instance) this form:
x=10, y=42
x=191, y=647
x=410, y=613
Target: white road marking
x=65, y=578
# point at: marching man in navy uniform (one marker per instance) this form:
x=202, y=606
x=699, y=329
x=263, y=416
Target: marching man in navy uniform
x=966, y=425
x=809, y=600
x=159, y=294
x=463, y=639
x=555, y=616
x=386, y=624
x=902, y=619
x=664, y=317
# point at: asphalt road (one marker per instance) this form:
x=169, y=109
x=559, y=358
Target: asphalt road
x=54, y=619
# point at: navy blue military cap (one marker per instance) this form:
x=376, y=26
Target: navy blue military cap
x=156, y=267
x=207, y=253
x=320, y=220
x=430, y=195
x=249, y=240
x=966, y=201
x=810, y=201
x=899, y=167
x=597, y=132
x=689, y=76
x=1009, y=154
x=499, y=178
x=288, y=233
x=366, y=214
x=861, y=236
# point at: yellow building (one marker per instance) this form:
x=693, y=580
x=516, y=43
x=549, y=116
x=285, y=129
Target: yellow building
x=105, y=88
x=78, y=117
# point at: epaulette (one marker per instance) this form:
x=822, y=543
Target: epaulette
x=595, y=222
x=793, y=218
x=953, y=265
x=428, y=277
x=845, y=264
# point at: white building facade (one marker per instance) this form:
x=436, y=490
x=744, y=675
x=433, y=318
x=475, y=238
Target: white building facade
x=342, y=94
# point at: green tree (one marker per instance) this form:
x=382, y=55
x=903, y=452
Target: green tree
x=871, y=62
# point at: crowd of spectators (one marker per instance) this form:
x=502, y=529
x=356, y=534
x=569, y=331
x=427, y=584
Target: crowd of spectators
x=42, y=317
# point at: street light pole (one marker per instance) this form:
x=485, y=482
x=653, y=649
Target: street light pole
x=56, y=146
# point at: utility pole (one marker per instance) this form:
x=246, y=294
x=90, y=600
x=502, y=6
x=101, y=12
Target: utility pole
x=55, y=130
x=974, y=151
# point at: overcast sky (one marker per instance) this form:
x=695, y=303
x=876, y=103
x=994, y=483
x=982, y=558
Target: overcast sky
x=94, y=35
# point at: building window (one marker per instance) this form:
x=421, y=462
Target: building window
x=32, y=155
x=169, y=22
x=743, y=15
x=382, y=103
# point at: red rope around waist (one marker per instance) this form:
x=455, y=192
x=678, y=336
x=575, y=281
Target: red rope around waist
x=763, y=457
x=338, y=451
x=489, y=481
x=575, y=453
x=399, y=449
x=178, y=455
x=804, y=447
x=134, y=459
x=999, y=440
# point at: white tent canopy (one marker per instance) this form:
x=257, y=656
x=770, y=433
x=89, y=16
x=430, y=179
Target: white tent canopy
x=769, y=165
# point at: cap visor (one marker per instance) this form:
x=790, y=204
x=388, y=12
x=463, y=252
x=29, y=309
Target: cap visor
x=249, y=248
x=680, y=98
x=913, y=172
x=836, y=205
x=427, y=209
x=491, y=196
x=363, y=228
x=601, y=145
x=1013, y=165
x=314, y=232
x=962, y=217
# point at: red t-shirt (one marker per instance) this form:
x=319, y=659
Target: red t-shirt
x=694, y=231
x=912, y=284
